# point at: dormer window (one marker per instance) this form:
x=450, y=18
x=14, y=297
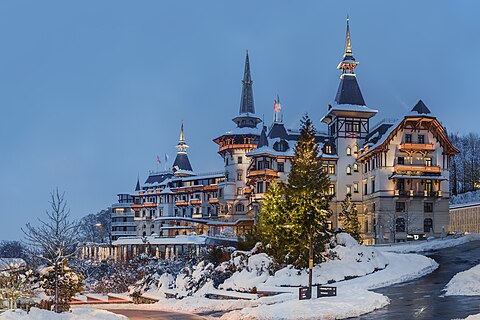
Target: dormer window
x=328, y=149
x=281, y=146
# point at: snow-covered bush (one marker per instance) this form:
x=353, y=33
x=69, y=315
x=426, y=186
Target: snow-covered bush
x=61, y=280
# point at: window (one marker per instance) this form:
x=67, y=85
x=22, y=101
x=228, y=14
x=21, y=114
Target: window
x=328, y=149
x=331, y=169
x=355, y=187
x=280, y=167
x=349, y=151
x=400, y=225
x=355, y=149
x=428, y=186
x=355, y=167
x=239, y=191
x=428, y=207
x=366, y=226
x=408, y=138
x=260, y=165
x=400, y=160
x=240, y=207
x=373, y=185
x=401, y=185
x=260, y=187
x=349, y=170
x=331, y=190
x=356, y=126
x=428, y=162
x=239, y=159
x=400, y=207
x=365, y=188
x=421, y=138
x=428, y=225
x=239, y=175
x=349, y=190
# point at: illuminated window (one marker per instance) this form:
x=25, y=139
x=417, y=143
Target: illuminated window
x=355, y=187
x=349, y=151
x=331, y=190
x=349, y=170
x=355, y=167
x=355, y=148
x=349, y=190
x=239, y=175
x=331, y=169
x=328, y=149
x=239, y=191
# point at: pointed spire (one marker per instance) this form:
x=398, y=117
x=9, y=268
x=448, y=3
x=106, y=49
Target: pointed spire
x=182, y=135
x=348, y=42
x=421, y=108
x=137, y=187
x=182, y=146
x=246, y=103
x=348, y=63
x=263, y=141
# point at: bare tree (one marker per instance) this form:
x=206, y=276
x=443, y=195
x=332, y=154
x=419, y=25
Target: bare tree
x=55, y=239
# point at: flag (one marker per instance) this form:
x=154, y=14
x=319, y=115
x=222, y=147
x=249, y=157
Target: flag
x=158, y=160
x=277, y=106
x=166, y=157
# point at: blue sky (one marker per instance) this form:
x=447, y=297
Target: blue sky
x=92, y=91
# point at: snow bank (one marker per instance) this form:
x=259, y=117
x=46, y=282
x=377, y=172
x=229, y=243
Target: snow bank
x=255, y=271
x=473, y=317
x=466, y=283
x=76, y=314
x=401, y=268
x=353, y=260
x=348, y=303
x=465, y=198
x=430, y=245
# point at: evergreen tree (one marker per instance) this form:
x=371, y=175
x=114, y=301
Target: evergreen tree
x=349, y=218
x=62, y=282
x=273, y=222
x=307, y=198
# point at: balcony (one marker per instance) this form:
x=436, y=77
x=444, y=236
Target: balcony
x=124, y=224
x=150, y=205
x=123, y=214
x=417, y=168
x=414, y=193
x=137, y=206
x=124, y=233
x=195, y=202
x=227, y=146
x=213, y=200
x=263, y=172
x=417, y=146
x=181, y=203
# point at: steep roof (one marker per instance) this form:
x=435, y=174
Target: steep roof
x=349, y=92
x=181, y=162
x=263, y=141
x=421, y=108
x=278, y=131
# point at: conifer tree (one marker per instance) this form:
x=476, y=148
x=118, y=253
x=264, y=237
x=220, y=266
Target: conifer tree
x=307, y=198
x=273, y=221
x=349, y=218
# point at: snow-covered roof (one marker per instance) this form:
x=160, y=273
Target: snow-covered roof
x=244, y=130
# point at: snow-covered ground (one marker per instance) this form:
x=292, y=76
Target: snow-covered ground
x=76, y=314
x=466, y=283
x=429, y=245
x=365, y=268
x=466, y=198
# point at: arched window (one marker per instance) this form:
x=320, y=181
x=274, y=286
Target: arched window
x=240, y=207
x=400, y=225
x=355, y=167
x=349, y=151
x=355, y=149
x=349, y=169
x=428, y=225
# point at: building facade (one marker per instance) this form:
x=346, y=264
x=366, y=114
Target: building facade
x=396, y=173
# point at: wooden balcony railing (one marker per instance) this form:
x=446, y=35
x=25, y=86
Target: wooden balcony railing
x=195, y=201
x=263, y=172
x=415, y=168
x=417, y=146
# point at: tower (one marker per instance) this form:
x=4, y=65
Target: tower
x=233, y=147
x=348, y=127
x=181, y=166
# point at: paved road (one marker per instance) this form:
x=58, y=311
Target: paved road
x=421, y=298
x=160, y=315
